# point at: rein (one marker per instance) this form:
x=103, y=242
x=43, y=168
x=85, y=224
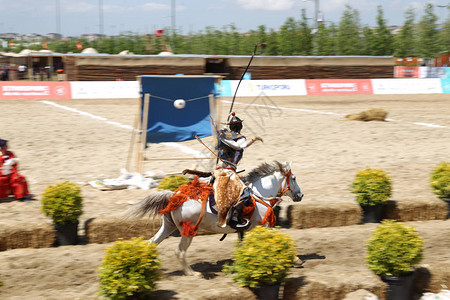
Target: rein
x=287, y=184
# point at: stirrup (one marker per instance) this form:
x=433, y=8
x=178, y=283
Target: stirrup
x=240, y=227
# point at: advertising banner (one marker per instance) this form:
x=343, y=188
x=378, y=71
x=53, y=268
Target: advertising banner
x=34, y=90
x=338, y=86
x=105, y=89
x=407, y=86
x=432, y=72
x=254, y=88
x=445, y=85
x=403, y=71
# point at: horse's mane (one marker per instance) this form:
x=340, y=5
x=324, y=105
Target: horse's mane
x=263, y=170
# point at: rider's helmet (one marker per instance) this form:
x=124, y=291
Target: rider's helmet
x=235, y=123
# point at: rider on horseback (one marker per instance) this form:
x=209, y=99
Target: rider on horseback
x=231, y=193
x=231, y=145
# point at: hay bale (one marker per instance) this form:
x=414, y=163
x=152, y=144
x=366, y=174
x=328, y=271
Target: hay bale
x=374, y=114
x=296, y=288
x=416, y=210
x=360, y=294
x=319, y=215
x=27, y=235
x=110, y=229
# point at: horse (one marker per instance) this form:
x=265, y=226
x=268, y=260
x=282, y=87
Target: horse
x=268, y=183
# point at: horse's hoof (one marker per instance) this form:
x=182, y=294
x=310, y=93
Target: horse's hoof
x=298, y=262
x=194, y=274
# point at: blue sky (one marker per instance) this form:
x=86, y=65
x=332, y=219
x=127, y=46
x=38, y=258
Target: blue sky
x=146, y=16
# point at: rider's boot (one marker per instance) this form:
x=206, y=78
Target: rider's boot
x=237, y=221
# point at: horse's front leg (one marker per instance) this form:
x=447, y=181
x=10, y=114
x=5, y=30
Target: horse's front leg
x=180, y=252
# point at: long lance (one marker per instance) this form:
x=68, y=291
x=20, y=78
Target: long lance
x=215, y=154
x=201, y=142
x=239, y=83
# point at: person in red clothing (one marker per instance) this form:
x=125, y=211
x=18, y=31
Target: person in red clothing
x=11, y=182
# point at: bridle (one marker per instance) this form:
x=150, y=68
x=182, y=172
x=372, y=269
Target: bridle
x=287, y=183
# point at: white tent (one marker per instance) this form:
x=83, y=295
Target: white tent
x=89, y=51
x=126, y=52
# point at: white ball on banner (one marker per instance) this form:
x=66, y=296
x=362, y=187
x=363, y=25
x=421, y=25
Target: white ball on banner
x=179, y=103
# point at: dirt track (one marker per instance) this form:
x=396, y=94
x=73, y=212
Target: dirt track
x=55, y=144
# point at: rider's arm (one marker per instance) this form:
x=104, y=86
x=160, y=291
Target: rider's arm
x=240, y=144
x=254, y=139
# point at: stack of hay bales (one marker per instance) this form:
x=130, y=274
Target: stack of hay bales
x=417, y=210
x=330, y=215
x=330, y=289
x=374, y=114
x=110, y=229
x=27, y=235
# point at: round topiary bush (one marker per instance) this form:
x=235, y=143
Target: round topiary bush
x=264, y=257
x=62, y=202
x=440, y=180
x=394, y=249
x=172, y=182
x=129, y=269
x=372, y=187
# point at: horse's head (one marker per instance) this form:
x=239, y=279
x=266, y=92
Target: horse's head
x=290, y=186
x=274, y=180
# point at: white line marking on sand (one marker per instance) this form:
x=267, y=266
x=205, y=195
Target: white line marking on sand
x=182, y=148
x=330, y=113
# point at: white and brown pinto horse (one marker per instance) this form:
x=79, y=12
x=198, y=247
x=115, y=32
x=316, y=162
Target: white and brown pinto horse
x=268, y=182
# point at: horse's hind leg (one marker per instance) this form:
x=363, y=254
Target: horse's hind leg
x=180, y=252
x=166, y=229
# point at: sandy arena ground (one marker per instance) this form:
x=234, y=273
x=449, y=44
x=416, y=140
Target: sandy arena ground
x=56, y=140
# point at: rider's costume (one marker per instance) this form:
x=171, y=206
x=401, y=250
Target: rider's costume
x=11, y=182
x=228, y=186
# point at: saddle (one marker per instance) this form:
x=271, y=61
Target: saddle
x=228, y=188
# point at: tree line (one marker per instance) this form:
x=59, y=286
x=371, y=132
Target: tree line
x=416, y=37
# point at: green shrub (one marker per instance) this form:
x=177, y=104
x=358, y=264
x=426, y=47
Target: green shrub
x=440, y=180
x=372, y=187
x=129, y=269
x=62, y=202
x=172, y=182
x=394, y=249
x=264, y=257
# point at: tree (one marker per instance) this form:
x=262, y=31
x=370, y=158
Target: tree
x=289, y=42
x=444, y=34
x=324, y=41
x=348, y=40
x=427, y=34
x=306, y=37
x=272, y=44
x=369, y=41
x=383, y=41
x=262, y=38
x=404, y=41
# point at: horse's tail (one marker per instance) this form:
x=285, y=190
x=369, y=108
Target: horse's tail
x=150, y=205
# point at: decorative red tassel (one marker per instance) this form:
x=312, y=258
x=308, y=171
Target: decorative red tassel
x=269, y=218
x=188, y=229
